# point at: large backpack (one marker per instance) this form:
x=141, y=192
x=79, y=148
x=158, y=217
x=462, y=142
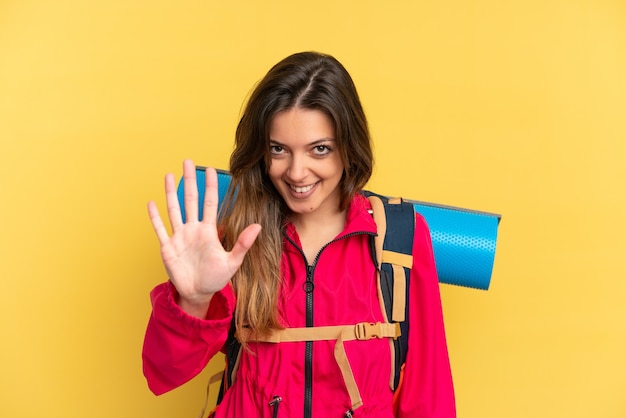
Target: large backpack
x=392, y=254
x=391, y=251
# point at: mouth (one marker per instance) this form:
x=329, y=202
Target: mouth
x=302, y=189
x=302, y=192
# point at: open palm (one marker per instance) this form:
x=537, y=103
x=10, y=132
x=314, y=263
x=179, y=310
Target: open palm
x=195, y=260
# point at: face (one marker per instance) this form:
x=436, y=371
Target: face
x=306, y=167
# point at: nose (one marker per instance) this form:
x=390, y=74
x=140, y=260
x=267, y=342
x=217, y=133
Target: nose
x=297, y=169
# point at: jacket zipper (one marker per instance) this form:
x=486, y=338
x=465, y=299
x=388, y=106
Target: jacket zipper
x=308, y=348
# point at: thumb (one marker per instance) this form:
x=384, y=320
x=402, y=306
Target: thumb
x=244, y=242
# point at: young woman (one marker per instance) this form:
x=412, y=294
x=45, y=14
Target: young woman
x=293, y=252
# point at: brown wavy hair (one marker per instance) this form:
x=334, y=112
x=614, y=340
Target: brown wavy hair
x=307, y=80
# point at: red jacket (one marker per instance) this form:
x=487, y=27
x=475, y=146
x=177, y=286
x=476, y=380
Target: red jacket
x=177, y=346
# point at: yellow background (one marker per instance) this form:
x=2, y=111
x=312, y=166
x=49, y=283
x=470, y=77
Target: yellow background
x=514, y=107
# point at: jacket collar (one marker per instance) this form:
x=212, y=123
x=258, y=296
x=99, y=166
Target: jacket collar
x=358, y=220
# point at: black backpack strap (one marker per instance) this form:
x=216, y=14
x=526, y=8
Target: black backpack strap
x=233, y=352
x=392, y=254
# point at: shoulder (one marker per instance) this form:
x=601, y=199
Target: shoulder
x=421, y=225
x=359, y=215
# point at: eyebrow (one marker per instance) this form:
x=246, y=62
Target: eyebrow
x=311, y=144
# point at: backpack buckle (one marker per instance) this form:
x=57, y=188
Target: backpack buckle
x=368, y=330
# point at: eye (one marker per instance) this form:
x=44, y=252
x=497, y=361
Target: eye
x=321, y=150
x=276, y=149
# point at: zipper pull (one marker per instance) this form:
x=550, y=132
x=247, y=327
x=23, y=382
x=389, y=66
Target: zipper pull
x=308, y=285
x=276, y=400
x=349, y=414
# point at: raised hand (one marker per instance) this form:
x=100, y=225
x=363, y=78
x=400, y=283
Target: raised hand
x=193, y=255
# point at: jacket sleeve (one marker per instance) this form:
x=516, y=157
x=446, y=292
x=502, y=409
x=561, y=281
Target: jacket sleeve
x=178, y=346
x=427, y=390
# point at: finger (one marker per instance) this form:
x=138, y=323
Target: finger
x=211, y=197
x=173, y=205
x=191, y=190
x=157, y=223
x=244, y=242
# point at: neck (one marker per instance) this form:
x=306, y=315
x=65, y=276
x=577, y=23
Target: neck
x=318, y=219
x=316, y=230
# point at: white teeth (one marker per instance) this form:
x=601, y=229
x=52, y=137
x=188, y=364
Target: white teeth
x=302, y=189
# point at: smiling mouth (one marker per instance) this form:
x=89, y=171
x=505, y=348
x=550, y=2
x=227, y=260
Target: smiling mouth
x=302, y=189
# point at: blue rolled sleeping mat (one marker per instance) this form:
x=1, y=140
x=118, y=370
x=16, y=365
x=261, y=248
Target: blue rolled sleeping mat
x=464, y=241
